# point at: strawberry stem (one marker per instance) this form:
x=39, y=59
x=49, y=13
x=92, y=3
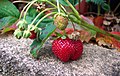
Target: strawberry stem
x=40, y=14
x=71, y=6
x=24, y=10
x=51, y=3
x=54, y=5
x=73, y=26
x=98, y=9
x=85, y=24
x=63, y=8
x=64, y=33
x=44, y=18
x=58, y=7
x=32, y=2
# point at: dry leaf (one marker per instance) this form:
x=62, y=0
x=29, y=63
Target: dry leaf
x=98, y=21
x=108, y=41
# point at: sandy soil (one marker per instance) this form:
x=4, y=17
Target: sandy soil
x=15, y=60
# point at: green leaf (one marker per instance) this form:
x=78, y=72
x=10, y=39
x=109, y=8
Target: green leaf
x=29, y=19
x=47, y=20
x=13, y=27
x=73, y=2
x=7, y=29
x=106, y=7
x=96, y=1
x=9, y=14
x=37, y=44
x=35, y=48
x=32, y=12
x=47, y=31
x=8, y=9
x=7, y=21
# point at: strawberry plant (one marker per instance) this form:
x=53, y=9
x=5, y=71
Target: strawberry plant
x=59, y=20
x=39, y=23
x=9, y=15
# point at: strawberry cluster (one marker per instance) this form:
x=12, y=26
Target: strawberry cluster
x=65, y=47
x=69, y=48
x=22, y=30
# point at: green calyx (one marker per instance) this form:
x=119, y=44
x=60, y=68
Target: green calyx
x=63, y=37
x=75, y=35
x=18, y=33
x=26, y=34
x=22, y=24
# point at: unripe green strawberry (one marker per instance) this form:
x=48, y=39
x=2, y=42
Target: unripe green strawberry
x=18, y=33
x=26, y=34
x=34, y=28
x=22, y=24
x=60, y=22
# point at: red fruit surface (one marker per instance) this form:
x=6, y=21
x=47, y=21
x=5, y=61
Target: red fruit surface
x=67, y=49
x=116, y=33
x=33, y=35
x=78, y=49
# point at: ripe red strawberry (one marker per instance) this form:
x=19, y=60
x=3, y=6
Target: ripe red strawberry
x=67, y=49
x=33, y=35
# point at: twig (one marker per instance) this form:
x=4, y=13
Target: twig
x=116, y=8
x=20, y=2
x=91, y=13
x=35, y=4
x=73, y=26
x=79, y=7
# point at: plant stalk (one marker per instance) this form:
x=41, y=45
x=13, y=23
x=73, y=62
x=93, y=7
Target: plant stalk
x=84, y=24
x=99, y=9
x=24, y=10
x=51, y=4
x=58, y=6
x=29, y=8
x=20, y=2
x=40, y=14
x=44, y=18
x=73, y=9
x=79, y=7
x=89, y=26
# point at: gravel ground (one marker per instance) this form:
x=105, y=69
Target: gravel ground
x=15, y=60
